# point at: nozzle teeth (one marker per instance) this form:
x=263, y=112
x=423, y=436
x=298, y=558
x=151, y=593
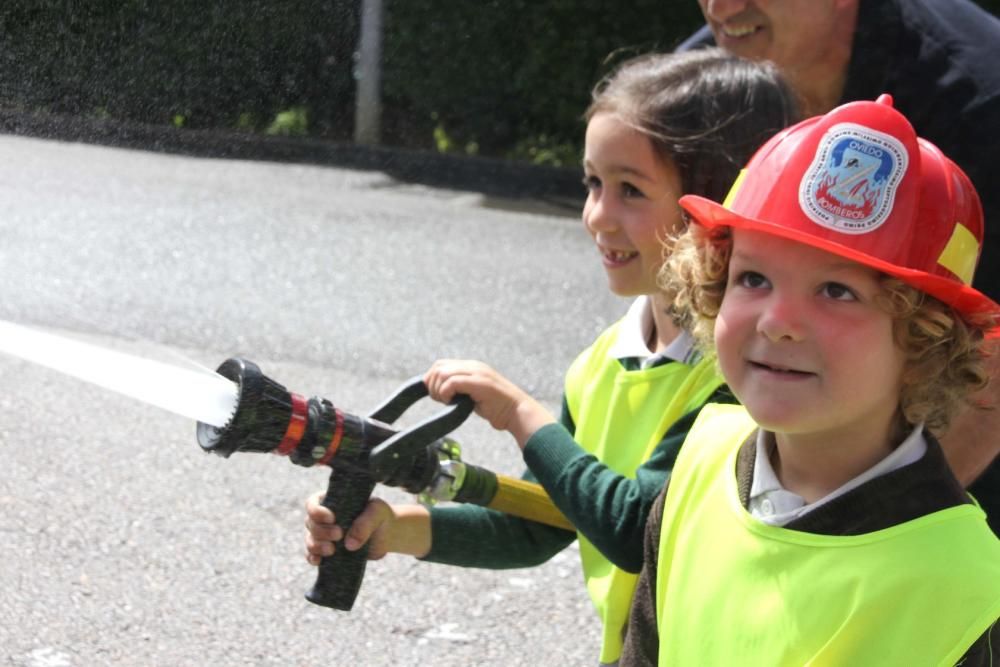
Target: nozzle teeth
x=261, y=415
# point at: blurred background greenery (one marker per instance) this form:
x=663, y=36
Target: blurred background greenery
x=497, y=78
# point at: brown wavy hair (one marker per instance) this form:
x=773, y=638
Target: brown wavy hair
x=706, y=110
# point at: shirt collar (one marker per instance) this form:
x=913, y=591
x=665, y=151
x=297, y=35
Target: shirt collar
x=788, y=506
x=636, y=327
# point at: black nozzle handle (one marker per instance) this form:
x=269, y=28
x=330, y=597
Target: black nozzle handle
x=400, y=448
x=340, y=575
x=409, y=393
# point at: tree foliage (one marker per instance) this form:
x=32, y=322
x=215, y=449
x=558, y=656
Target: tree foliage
x=496, y=72
x=494, y=77
x=210, y=63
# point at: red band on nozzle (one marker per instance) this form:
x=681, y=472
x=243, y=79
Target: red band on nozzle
x=335, y=440
x=296, y=426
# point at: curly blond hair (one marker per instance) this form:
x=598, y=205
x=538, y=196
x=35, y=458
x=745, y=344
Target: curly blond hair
x=944, y=353
x=706, y=111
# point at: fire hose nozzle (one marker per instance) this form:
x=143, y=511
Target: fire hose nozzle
x=363, y=451
x=262, y=413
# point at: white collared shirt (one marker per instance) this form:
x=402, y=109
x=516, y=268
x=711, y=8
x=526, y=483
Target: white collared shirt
x=635, y=330
x=773, y=504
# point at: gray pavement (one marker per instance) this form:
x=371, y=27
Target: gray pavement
x=122, y=543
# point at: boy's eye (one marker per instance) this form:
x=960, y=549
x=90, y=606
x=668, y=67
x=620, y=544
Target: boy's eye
x=751, y=279
x=839, y=292
x=591, y=183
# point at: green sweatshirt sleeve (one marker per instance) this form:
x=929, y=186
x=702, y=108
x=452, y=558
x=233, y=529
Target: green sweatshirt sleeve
x=608, y=508
x=473, y=536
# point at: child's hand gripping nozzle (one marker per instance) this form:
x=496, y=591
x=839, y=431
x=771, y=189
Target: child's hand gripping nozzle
x=363, y=451
x=359, y=450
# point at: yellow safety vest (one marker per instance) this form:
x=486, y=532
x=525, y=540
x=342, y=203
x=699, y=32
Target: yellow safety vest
x=620, y=418
x=732, y=590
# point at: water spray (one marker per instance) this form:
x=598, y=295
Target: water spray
x=239, y=409
x=364, y=451
x=197, y=394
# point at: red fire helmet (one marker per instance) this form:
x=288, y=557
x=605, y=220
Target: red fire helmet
x=859, y=183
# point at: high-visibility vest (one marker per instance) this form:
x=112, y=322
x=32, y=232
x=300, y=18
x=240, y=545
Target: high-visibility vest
x=620, y=418
x=732, y=590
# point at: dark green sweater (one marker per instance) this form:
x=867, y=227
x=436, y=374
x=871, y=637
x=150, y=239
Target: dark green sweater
x=608, y=508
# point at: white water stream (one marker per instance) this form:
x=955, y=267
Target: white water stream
x=201, y=395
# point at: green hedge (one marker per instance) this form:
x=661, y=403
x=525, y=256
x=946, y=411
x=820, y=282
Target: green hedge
x=512, y=77
x=493, y=74
x=493, y=77
x=222, y=63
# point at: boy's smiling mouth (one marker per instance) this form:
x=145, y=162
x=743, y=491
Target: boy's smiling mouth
x=779, y=370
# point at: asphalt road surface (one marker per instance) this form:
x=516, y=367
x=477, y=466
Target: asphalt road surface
x=122, y=543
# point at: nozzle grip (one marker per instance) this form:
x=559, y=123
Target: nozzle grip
x=340, y=575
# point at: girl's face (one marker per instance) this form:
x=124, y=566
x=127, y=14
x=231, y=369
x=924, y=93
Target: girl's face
x=631, y=203
x=802, y=342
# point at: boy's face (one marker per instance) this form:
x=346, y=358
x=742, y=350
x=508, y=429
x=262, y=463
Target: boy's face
x=631, y=203
x=803, y=344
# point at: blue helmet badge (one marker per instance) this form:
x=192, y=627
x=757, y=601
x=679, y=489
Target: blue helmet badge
x=851, y=184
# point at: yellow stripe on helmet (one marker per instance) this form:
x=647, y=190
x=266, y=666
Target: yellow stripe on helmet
x=959, y=256
x=728, y=203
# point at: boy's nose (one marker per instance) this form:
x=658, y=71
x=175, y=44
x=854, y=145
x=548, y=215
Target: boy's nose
x=723, y=10
x=782, y=319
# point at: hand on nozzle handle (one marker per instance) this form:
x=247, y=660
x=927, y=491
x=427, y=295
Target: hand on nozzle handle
x=340, y=574
x=323, y=533
x=383, y=527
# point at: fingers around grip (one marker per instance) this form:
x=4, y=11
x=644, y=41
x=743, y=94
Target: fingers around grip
x=317, y=550
x=434, y=377
x=316, y=511
x=321, y=538
x=321, y=533
x=320, y=520
x=447, y=377
x=375, y=514
x=441, y=371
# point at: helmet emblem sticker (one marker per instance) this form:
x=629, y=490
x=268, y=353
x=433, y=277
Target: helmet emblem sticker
x=851, y=184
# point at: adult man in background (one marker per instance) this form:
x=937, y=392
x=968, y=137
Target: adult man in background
x=940, y=61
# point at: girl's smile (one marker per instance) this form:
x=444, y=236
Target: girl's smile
x=617, y=258
x=631, y=203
